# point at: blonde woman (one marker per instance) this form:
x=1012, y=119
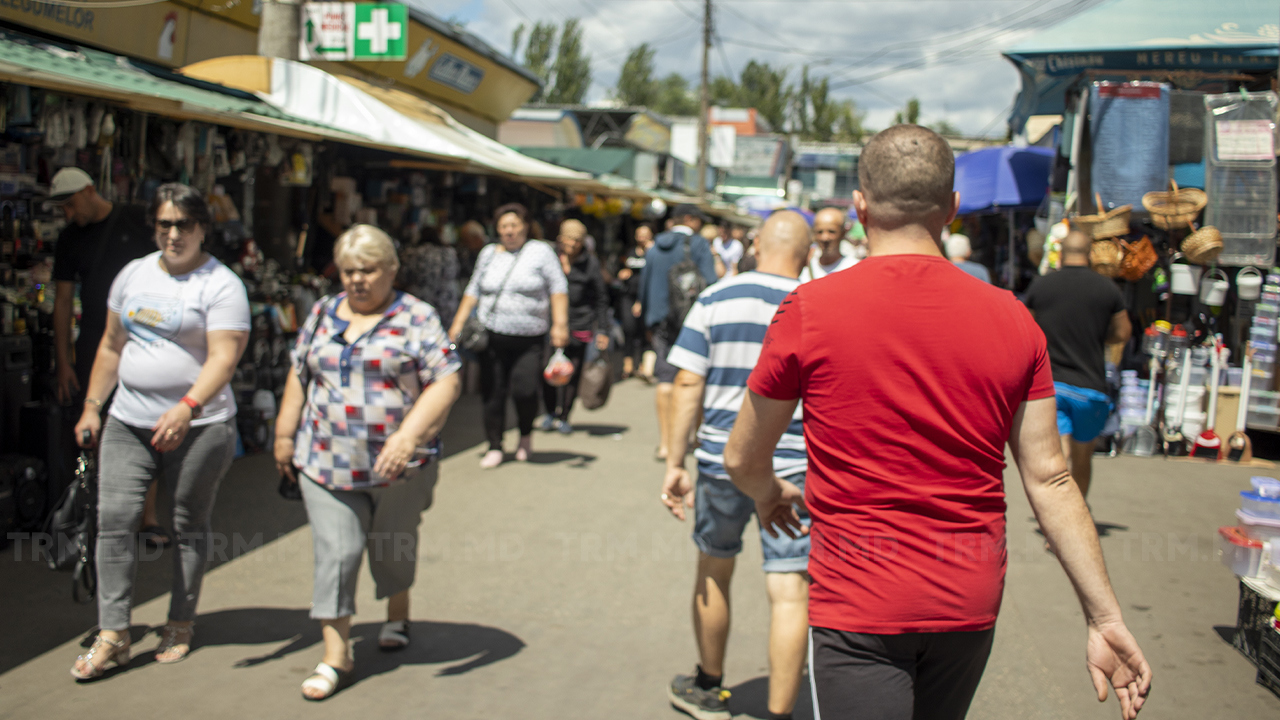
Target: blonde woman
x=372, y=383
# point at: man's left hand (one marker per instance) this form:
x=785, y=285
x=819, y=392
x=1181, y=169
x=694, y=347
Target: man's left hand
x=778, y=513
x=602, y=342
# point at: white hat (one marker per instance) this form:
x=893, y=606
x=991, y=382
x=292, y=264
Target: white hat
x=67, y=182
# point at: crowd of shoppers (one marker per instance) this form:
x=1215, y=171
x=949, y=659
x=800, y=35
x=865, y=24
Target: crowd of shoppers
x=907, y=460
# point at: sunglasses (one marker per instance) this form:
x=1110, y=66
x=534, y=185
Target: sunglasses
x=184, y=226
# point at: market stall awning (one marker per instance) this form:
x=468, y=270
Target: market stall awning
x=392, y=117
x=77, y=70
x=1003, y=178
x=1143, y=35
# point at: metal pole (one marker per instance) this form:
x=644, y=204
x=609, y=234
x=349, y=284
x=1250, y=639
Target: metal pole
x=278, y=32
x=704, y=113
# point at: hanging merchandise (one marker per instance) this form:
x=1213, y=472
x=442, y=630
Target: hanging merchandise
x=1129, y=131
x=185, y=150
x=1240, y=175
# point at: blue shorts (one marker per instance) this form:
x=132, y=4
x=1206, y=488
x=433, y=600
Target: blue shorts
x=1082, y=413
x=721, y=513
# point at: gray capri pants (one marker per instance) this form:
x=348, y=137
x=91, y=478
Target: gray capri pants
x=346, y=522
x=192, y=474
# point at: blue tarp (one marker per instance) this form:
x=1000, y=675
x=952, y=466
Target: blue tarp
x=1003, y=178
x=1143, y=35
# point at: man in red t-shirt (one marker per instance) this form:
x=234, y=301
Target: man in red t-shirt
x=914, y=376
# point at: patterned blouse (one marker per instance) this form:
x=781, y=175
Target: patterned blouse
x=356, y=394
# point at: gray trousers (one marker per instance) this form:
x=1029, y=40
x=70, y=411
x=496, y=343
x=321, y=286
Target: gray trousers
x=128, y=464
x=345, y=522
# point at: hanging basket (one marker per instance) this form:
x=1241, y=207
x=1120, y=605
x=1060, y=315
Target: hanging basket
x=1105, y=257
x=1109, y=224
x=1203, y=246
x=1174, y=208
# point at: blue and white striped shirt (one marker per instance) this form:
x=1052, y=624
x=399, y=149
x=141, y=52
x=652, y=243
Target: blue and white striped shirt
x=721, y=341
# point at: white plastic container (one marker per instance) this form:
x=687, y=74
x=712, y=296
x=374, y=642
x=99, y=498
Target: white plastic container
x=1259, y=506
x=1265, y=486
x=1240, y=553
x=1258, y=527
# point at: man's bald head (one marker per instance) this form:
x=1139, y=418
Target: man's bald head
x=782, y=245
x=1077, y=243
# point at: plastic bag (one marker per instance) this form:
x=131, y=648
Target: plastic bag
x=559, y=369
x=597, y=380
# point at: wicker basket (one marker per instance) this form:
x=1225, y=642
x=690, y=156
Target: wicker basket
x=1105, y=257
x=1174, y=208
x=1203, y=246
x=1109, y=224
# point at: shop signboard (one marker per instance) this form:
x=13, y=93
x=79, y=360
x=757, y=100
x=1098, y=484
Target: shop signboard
x=354, y=31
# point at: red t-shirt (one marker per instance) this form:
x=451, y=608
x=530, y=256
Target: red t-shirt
x=910, y=371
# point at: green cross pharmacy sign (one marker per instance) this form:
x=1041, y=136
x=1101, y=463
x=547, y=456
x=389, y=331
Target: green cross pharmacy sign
x=354, y=31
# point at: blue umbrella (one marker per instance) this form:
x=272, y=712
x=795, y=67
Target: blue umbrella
x=997, y=179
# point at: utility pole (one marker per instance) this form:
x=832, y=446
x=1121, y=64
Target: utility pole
x=279, y=28
x=704, y=113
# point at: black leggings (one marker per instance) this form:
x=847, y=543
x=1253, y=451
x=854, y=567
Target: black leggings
x=559, y=400
x=511, y=366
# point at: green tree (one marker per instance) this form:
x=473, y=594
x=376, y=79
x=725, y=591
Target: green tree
x=849, y=122
x=636, y=85
x=765, y=89
x=943, y=127
x=537, y=54
x=517, y=36
x=572, y=67
x=672, y=97
x=910, y=114
x=724, y=92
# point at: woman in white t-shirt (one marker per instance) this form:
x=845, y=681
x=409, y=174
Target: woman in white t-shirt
x=177, y=323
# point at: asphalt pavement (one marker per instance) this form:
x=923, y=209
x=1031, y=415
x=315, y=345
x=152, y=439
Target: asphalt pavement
x=560, y=588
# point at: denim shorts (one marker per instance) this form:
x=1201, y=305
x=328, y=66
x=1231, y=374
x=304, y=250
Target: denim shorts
x=1082, y=413
x=721, y=513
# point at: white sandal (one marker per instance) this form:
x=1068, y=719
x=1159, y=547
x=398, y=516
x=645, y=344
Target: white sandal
x=394, y=636
x=328, y=680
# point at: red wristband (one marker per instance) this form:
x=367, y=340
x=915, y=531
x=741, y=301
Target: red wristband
x=191, y=403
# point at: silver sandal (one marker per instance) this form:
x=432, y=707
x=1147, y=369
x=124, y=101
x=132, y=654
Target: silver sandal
x=170, y=642
x=117, y=651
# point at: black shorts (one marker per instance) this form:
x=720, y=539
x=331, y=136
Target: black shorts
x=916, y=676
x=664, y=371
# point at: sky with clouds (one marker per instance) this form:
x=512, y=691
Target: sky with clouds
x=878, y=53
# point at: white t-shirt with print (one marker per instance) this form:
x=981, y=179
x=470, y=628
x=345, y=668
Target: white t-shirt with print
x=166, y=318
x=730, y=253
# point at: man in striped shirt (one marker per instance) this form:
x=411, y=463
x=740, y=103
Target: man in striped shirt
x=715, y=353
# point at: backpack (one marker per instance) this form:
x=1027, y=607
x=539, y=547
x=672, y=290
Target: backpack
x=684, y=284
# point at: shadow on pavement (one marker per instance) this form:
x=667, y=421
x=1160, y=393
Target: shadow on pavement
x=462, y=647
x=551, y=457
x=751, y=699
x=600, y=430
x=248, y=514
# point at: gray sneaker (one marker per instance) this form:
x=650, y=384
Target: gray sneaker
x=687, y=697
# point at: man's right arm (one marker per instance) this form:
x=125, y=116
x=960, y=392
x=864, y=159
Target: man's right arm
x=686, y=400
x=1113, y=655
x=1120, y=329
x=64, y=300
